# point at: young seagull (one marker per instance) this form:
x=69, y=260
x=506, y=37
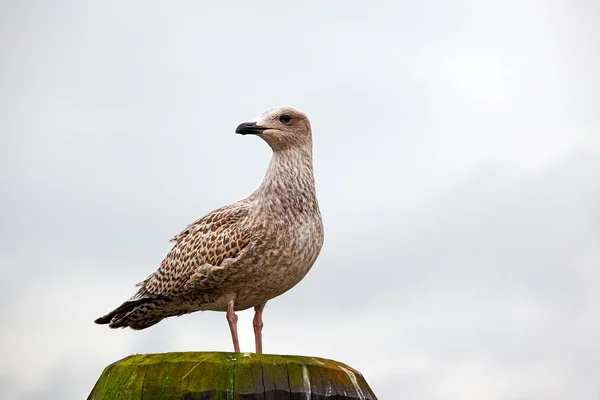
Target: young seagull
x=245, y=253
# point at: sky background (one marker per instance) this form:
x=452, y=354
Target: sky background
x=457, y=160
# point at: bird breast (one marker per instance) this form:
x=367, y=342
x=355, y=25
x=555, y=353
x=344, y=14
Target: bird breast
x=284, y=253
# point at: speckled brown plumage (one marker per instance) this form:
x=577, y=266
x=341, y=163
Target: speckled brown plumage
x=246, y=253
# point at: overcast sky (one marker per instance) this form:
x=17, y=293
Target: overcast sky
x=457, y=160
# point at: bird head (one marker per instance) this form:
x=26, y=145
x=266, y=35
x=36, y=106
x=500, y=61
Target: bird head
x=282, y=128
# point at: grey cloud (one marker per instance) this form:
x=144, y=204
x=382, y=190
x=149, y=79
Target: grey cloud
x=456, y=165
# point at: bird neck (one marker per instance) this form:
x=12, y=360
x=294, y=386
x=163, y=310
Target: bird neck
x=289, y=185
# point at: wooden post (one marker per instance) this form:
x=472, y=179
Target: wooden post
x=229, y=376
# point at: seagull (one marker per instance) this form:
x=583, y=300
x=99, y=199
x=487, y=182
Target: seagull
x=246, y=253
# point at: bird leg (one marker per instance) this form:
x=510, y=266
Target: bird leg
x=258, y=325
x=232, y=318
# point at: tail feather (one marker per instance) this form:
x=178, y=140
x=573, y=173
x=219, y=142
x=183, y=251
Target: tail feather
x=136, y=314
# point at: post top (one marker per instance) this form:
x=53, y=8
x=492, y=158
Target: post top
x=216, y=375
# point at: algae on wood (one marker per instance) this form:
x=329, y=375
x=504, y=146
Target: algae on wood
x=229, y=376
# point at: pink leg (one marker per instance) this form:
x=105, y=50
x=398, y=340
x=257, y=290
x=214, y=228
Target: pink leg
x=232, y=318
x=258, y=325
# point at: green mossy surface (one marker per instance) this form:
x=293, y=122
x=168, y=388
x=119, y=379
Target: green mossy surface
x=229, y=376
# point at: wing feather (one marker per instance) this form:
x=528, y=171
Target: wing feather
x=197, y=257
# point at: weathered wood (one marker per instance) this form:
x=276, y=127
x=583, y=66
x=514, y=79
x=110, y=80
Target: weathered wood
x=228, y=376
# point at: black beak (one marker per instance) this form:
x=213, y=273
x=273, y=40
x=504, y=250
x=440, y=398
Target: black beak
x=250, y=128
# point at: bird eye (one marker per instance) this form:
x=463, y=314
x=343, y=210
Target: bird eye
x=285, y=118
